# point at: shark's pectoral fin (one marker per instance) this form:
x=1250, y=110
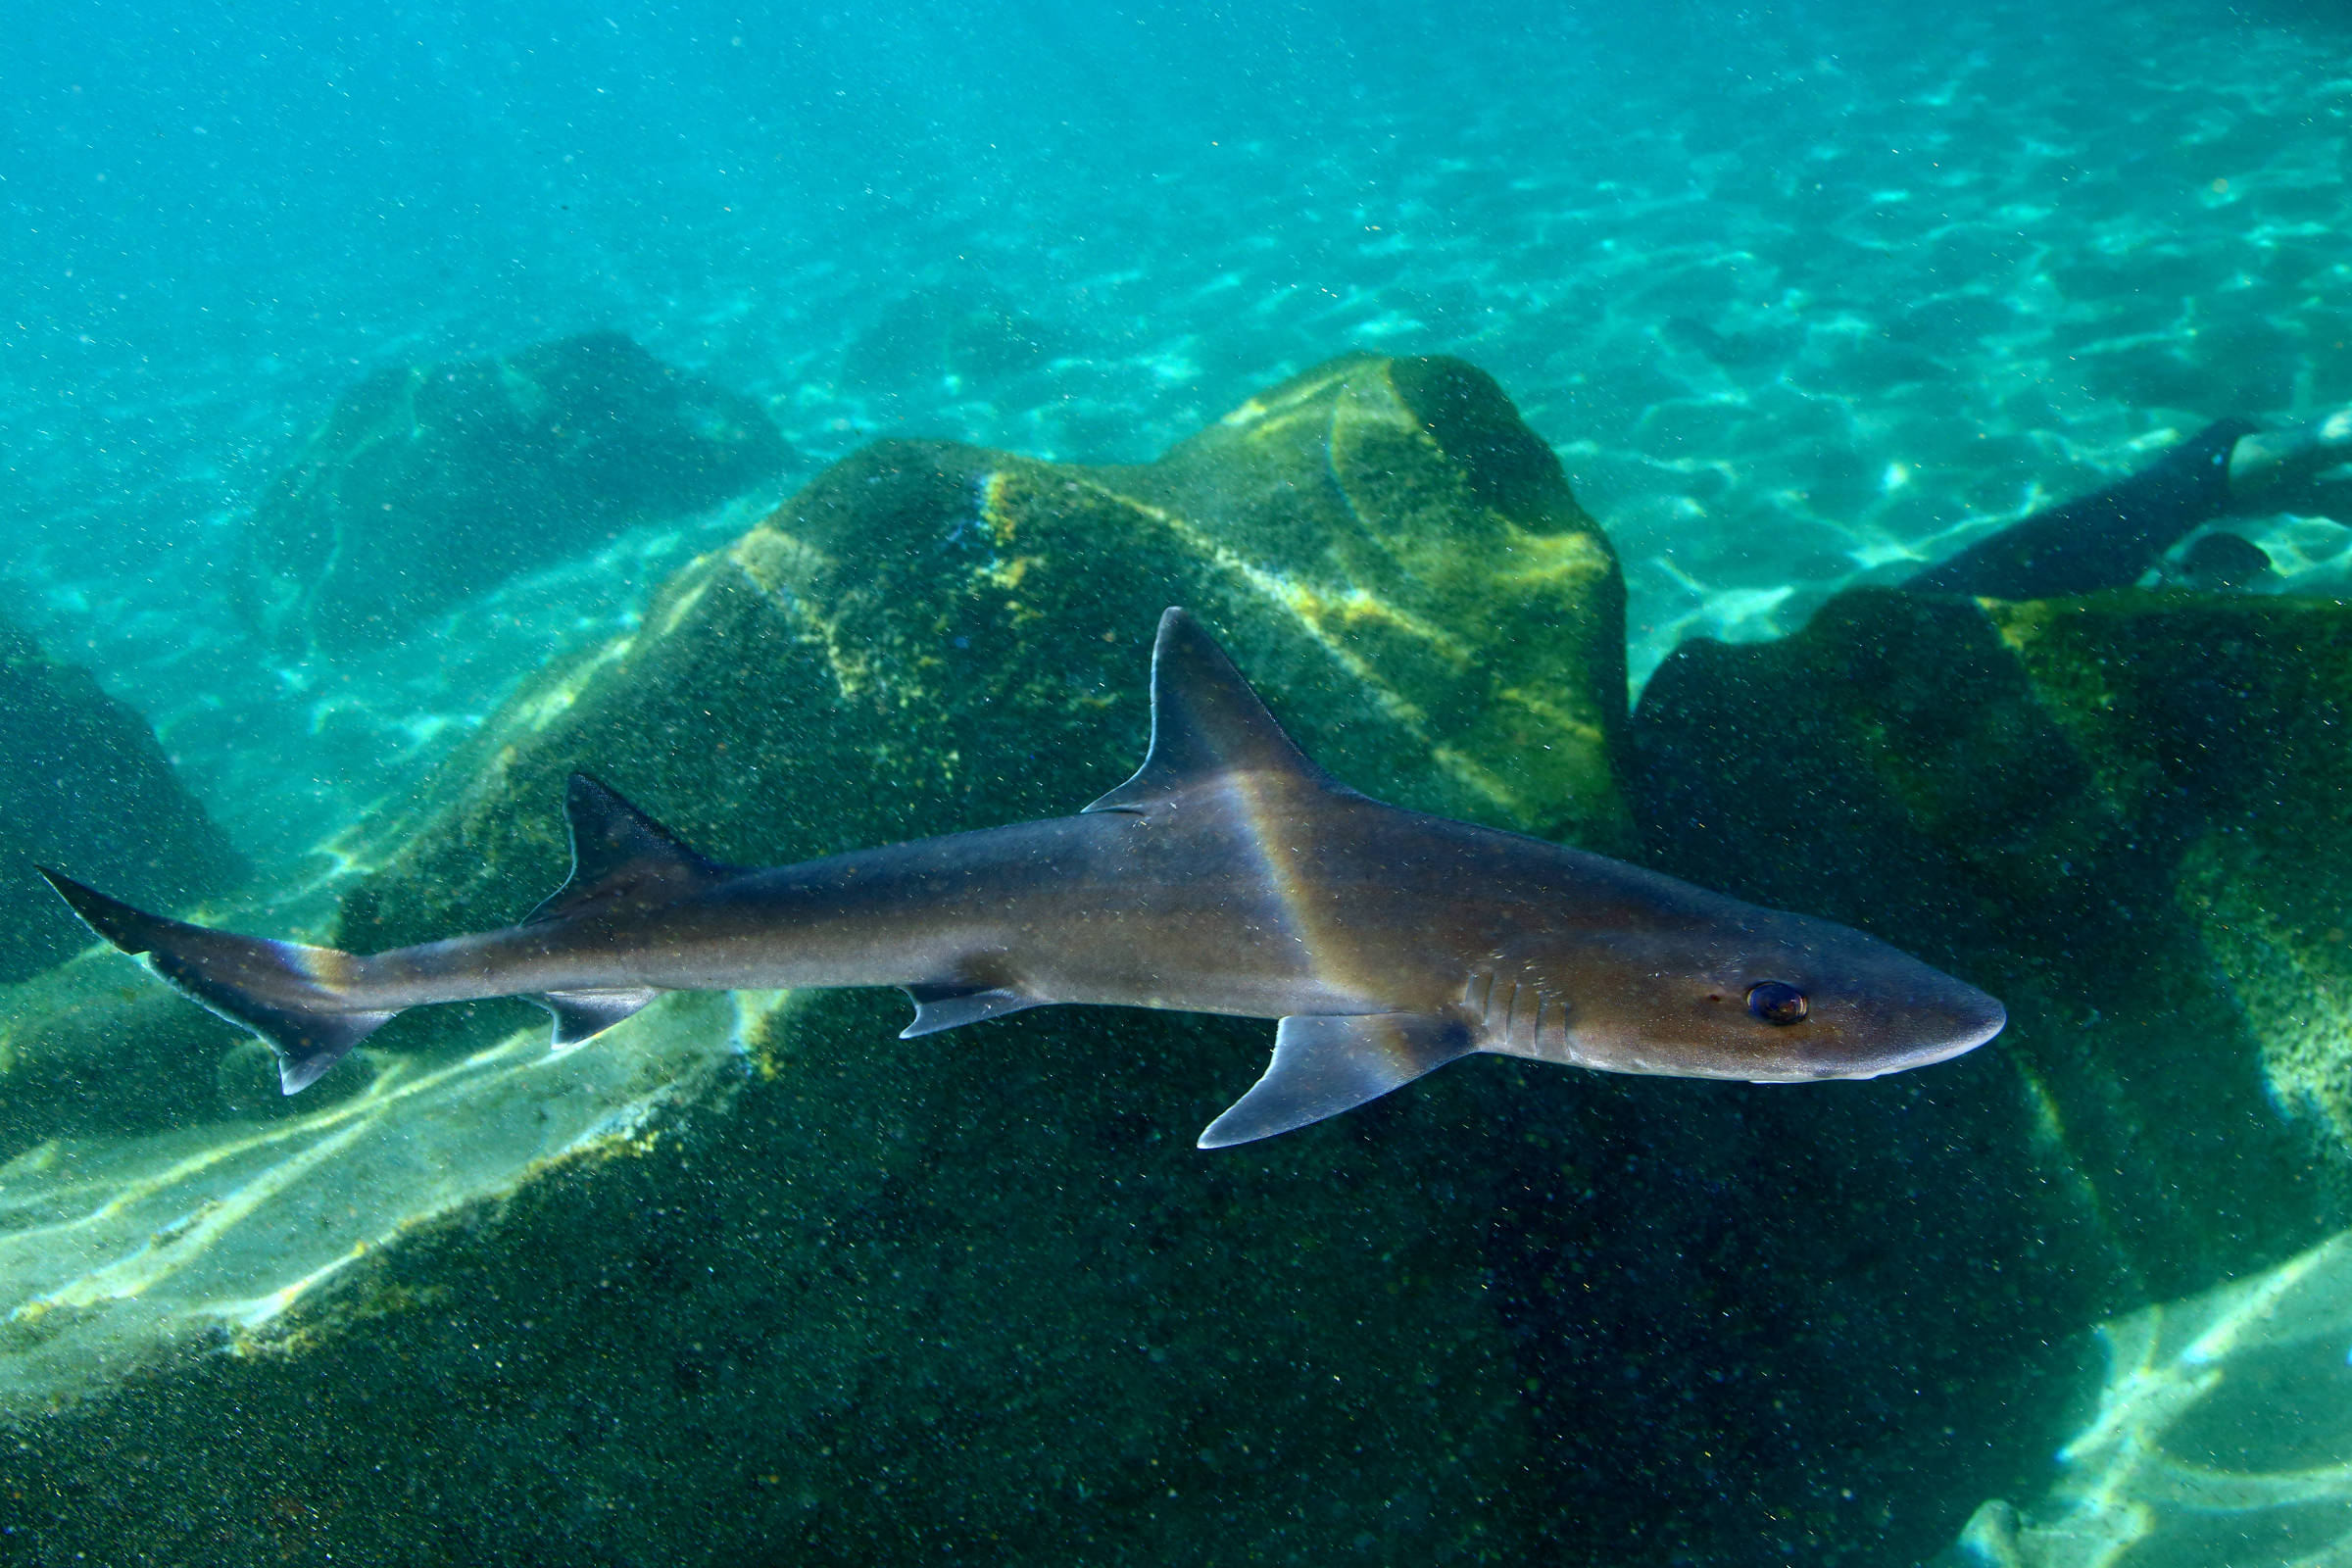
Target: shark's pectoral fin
x=1324, y=1066
x=582, y=1016
x=1205, y=722
x=950, y=1007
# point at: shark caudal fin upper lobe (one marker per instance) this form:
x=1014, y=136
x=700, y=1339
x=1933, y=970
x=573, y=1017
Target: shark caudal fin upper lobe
x=289, y=994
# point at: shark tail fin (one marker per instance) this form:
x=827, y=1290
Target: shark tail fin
x=291, y=996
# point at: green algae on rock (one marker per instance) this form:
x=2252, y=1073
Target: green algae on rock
x=2127, y=814
x=887, y=1301
x=84, y=785
x=426, y=485
x=94, y=1047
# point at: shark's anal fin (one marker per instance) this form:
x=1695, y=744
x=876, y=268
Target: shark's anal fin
x=1324, y=1066
x=950, y=1007
x=1205, y=722
x=621, y=860
x=582, y=1016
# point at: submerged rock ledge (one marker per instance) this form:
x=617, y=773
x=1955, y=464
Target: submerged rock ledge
x=847, y=1298
x=996, y=1248
x=429, y=483
x=2126, y=813
x=85, y=784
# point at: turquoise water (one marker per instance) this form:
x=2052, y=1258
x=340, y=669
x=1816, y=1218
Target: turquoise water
x=1803, y=295
x=1800, y=293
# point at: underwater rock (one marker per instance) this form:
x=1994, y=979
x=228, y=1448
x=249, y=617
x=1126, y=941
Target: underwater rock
x=94, y=1048
x=426, y=485
x=95, y=1045
x=84, y=786
x=2220, y=1433
x=2125, y=814
x=932, y=637
x=116, y=1249
x=2221, y=559
x=848, y=1297
x=946, y=338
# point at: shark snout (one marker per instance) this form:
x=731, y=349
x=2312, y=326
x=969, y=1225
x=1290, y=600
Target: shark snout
x=1975, y=1017
x=1930, y=1020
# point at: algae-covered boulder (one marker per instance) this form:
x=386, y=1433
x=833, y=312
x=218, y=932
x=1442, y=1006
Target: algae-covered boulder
x=2129, y=815
x=94, y=1047
x=932, y=637
x=427, y=484
x=974, y=1295
x=84, y=787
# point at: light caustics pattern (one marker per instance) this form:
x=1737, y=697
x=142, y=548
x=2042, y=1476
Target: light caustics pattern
x=2222, y=1437
x=114, y=1252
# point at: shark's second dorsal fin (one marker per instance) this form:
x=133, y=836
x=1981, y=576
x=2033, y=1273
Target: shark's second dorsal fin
x=621, y=859
x=1205, y=723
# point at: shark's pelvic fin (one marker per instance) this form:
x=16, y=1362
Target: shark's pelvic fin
x=623, y=860
x=1324, y=1066
x=938, y=1007
x=1205, y=723
x=582, y=1016
x=282, y=991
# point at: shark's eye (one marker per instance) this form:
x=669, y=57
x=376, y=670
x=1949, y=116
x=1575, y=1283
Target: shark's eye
x=1776, y=1001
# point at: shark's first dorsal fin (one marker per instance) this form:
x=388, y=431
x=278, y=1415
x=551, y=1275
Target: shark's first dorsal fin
x=621, y=860
x=1205, y=722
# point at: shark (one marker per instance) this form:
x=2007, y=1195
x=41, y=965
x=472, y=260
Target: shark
x=1229, y=875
